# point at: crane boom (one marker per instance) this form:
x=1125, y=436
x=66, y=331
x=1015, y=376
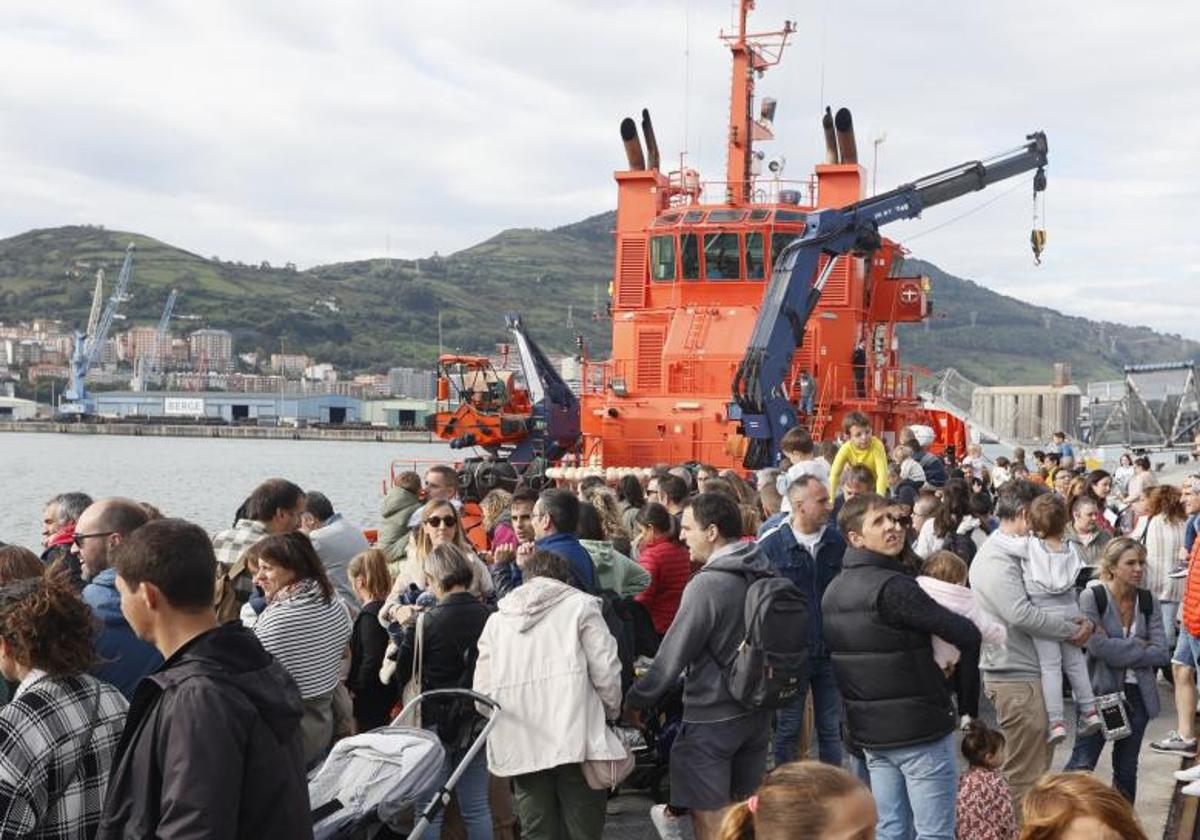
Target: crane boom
x=97, y=301
x=149, y=362
x=798, y=279
x=88, y=348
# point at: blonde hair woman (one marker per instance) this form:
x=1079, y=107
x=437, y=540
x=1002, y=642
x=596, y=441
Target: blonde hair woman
x=440, y=524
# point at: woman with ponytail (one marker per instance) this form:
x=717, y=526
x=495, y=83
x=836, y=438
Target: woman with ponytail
x=805, y=799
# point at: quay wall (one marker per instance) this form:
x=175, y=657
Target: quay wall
x=202, y=431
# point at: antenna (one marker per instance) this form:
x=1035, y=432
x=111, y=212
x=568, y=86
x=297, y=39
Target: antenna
x=879, y=141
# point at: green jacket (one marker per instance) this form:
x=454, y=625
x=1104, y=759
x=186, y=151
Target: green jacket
x=398, y=507
x=614, y=571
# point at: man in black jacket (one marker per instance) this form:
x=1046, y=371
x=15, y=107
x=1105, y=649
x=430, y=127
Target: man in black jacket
x=211, y=746
x=878, y=624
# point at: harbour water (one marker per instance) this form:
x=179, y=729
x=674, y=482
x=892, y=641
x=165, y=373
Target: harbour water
x=199, y=479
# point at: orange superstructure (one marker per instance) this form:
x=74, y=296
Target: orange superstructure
x=690, y=277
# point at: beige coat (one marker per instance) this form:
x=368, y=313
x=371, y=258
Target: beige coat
x=548, y=659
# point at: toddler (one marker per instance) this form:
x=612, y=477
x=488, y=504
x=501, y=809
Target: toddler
x=798, y=447
x=1049, y=570
x=862, y=447
x=944, y=579
x=984, y=807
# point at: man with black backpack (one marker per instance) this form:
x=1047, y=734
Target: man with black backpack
x=737, y=671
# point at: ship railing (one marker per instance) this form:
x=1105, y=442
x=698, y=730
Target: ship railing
x=870, y=382
x=802, y=192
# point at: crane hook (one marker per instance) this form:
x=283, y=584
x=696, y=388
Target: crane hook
x=1037, y=237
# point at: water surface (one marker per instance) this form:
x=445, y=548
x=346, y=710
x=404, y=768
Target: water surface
x=199, y=479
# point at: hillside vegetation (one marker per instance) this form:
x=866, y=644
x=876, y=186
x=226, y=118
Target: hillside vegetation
x=376, y=313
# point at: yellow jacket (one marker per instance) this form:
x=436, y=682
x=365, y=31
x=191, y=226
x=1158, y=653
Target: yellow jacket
x=874, y=456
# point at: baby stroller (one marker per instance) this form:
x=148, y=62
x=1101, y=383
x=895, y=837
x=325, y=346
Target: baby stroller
x=651, y=757
x=369, y=779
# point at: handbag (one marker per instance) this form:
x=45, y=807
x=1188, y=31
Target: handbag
x=607, y=773
x=1114, y=717
x=413, y=687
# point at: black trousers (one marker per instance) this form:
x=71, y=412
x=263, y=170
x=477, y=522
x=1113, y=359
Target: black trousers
x=965, y=683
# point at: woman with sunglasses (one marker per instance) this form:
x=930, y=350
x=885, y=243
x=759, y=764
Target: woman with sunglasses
x=440, y=524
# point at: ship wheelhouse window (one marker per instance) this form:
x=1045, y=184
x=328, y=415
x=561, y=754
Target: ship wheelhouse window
x=722, y=258
x=689, y=256
x=693, y=216
x=790, y=215
x=779, y=239
x=666, y=219
x=726, y=215
x=754, y=256
x=662, y=258
x=759, y=215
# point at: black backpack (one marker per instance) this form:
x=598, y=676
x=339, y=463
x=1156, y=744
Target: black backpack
x=771, y=662
x=1145, y=602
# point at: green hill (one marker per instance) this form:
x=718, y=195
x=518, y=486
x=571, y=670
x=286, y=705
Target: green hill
x=372, y=314
x=996, y=339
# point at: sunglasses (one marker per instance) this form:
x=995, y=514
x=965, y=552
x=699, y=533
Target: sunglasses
x=441, y=521
x=79, y=538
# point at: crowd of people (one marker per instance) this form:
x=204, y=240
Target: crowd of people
x=912, y=614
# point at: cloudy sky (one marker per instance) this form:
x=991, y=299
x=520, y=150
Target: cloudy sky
x=314, y=132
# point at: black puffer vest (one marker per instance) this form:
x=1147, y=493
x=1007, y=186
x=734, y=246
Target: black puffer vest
x=894, y=692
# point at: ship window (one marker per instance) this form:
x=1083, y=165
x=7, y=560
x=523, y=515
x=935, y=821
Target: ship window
x=662, y=259
x=759, y=215
x=721, y=258
x=667, y=219
x=789, y=216
x=726, y=215
x=778, y=240
x=689, y=256
x=754, y=256
x=693, y=216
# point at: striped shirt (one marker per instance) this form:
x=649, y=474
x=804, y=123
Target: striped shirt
x=1162, y=539
x=306, y=635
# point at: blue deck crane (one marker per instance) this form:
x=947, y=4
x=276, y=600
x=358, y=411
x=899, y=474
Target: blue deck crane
x=766, y=412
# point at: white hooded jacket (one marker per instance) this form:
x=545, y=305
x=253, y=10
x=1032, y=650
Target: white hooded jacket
x=548, y=658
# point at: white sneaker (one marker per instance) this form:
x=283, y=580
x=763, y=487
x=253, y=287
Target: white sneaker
x=1192, y=789
x=964, y=722
x=665, y=823
x=1192, y=774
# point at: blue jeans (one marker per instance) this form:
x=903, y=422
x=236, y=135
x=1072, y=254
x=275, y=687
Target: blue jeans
x=471, y=793
x=827, y=710
x=1125, y=751
x=915, y=789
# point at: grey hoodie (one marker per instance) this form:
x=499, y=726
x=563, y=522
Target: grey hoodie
x=996, y=578
x=707, y=628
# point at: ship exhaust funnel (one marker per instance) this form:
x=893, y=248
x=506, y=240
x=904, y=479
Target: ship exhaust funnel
x=831, y=149
x=652, y=159
x=847, y=148
x=633, y=146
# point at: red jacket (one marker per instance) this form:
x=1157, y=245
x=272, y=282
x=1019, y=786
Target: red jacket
x=1191, y=593
x=669, y=565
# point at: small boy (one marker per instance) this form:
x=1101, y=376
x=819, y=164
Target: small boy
x=797, y=446
x=861, y=447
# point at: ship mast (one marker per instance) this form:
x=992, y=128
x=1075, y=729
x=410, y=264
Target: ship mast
x=753, y=53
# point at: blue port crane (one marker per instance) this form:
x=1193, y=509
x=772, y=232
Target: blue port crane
x=77, y=400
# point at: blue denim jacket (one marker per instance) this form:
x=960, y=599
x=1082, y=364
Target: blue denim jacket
x=811, y=575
